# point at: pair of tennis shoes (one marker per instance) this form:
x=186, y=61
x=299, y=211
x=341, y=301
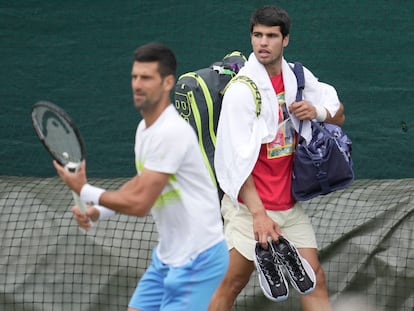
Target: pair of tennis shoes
x=279, y=261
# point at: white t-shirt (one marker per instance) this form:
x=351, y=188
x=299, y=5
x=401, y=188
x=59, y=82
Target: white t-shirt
x=187, y=213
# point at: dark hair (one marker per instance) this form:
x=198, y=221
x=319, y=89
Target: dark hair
x=269, y=15
x=157, y=52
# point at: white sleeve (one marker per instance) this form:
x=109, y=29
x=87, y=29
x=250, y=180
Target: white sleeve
x=320, y=94
x=168, y=148
x=330, y=98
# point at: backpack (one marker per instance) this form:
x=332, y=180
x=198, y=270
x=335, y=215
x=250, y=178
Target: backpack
x=198, y=97
x=325, y=164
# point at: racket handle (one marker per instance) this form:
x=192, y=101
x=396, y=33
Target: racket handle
x=78, y=202
x=73, y=167
x=82, y=207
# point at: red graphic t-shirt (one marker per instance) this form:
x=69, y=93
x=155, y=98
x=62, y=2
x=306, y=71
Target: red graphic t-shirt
x=272, y=173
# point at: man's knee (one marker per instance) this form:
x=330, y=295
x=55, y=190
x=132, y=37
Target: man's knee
x=320, y=276
x=233, y=285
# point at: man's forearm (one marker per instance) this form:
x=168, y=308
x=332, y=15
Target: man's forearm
x=338, y=118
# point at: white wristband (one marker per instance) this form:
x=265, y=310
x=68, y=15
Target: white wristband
x=321, y=113
x=104, y=212
x=90, y=194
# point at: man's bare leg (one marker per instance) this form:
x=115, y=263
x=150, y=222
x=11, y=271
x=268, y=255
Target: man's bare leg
x=236, y=278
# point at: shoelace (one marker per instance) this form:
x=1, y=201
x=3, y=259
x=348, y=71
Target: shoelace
x=268, y=267
x=294, y=265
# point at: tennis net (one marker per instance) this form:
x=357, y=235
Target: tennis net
x=365, y=235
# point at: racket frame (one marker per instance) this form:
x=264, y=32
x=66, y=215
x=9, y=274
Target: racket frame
x=70, y=166
x=59, y=111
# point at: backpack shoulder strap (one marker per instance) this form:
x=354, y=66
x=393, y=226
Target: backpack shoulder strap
x=250, y=83
x=300, y=78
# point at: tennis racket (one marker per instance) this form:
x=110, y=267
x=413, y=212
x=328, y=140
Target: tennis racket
x=61, y=138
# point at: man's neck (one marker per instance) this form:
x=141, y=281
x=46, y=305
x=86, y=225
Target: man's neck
x=151, y=115
x=274, y=69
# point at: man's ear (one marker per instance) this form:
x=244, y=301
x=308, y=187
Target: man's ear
x=169, y=82
x=286, y=41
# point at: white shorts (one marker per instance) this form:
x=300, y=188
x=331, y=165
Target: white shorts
x=238, y=227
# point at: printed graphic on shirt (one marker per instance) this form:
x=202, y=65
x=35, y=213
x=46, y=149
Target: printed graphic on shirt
x=171, y=193
x=284, y=142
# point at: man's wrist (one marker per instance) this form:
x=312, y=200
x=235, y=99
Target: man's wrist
x=90, y=194
x=104, y=212
x=321, y=113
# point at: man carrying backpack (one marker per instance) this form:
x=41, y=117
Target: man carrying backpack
x=253, y=163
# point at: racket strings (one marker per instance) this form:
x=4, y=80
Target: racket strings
x=58, y=133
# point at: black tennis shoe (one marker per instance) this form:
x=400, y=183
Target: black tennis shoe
x=301, y=275
x=271, y=278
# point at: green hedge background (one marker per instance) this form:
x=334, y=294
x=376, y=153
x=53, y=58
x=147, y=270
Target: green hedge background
x=78, y=55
